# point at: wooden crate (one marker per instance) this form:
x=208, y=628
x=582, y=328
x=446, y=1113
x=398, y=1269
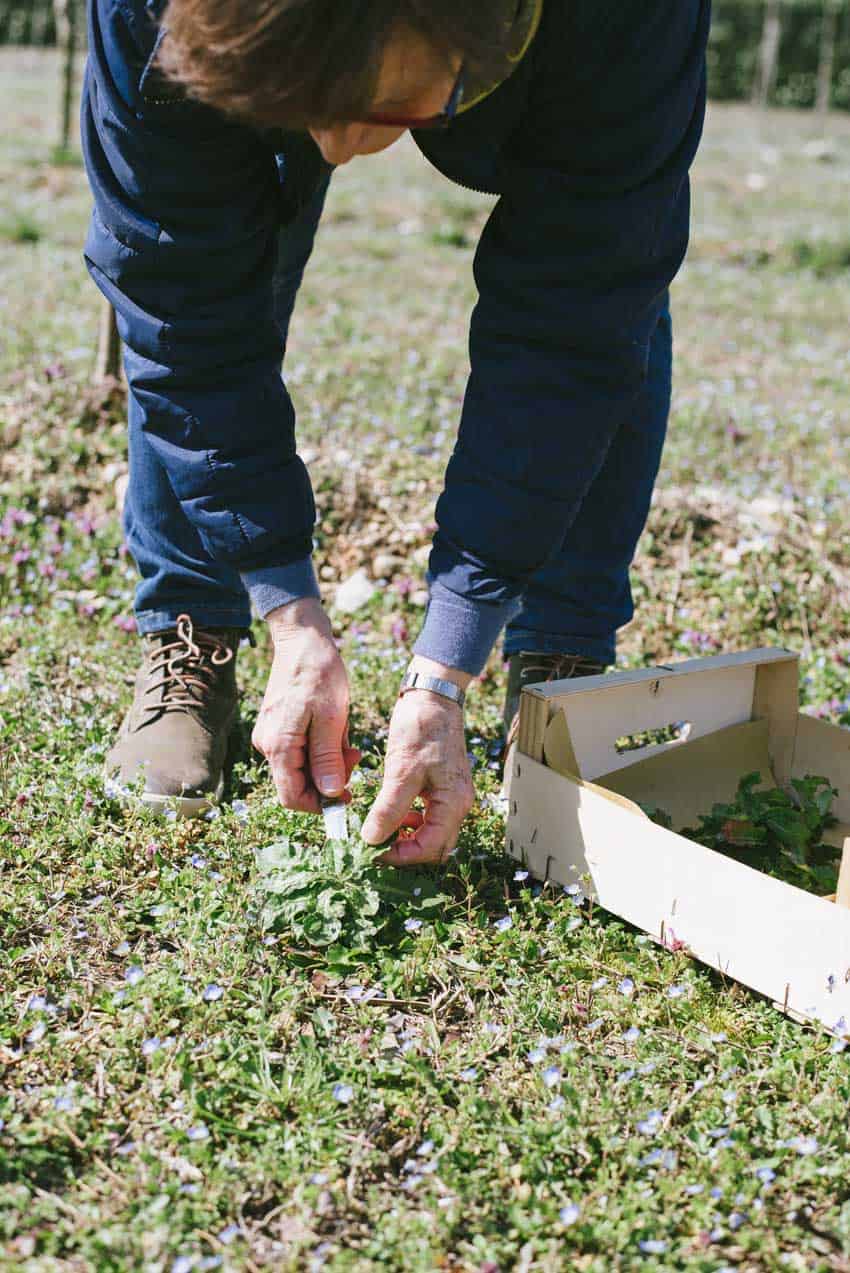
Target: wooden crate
x=573, y=816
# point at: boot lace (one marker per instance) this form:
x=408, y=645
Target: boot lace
x=187, y=667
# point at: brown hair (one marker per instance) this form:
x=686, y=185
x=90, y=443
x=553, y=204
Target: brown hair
x=297, y=63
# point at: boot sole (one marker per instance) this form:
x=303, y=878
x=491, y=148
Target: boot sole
x=183, y=806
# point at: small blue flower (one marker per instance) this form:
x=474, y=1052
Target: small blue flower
x=469, y=1074
x=199, y=1132
x=649, y=1126
x=134, y=975
x=676, y=992
x=212, y=992
x=412, y=925
x=228, y=1234
x=599, y=983
x=569, y=1214
x=504, y=923
x=736, y=1219
x=552, y=1076
x=240, y=810
x=766, y=1175
x=343, y=1092
x=37, y=1003
x=150, y=1046
x=65, y=1103
x=693, y=1190
x=626, y=986
x=556, y=1104
x=536, y=1055
x=805, y=1145
x=626, y=1076
x=653, y=1246
x=425, y=1148
x=37, y=1033
x=631, y=1035
x=183, y=1264
x=198, y=860
x=520, y=876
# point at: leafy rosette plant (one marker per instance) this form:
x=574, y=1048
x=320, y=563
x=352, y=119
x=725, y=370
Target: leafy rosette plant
x=320, y=895
x=790, y=822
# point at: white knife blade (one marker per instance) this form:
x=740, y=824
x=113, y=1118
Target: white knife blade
x=335, y=814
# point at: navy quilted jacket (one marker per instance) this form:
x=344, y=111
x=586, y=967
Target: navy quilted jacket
x=588, y=144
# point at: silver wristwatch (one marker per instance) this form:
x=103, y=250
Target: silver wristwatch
x=418, y=681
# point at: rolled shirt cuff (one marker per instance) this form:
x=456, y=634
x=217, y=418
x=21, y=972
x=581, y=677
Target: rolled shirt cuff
x=274, y=586
x=460, y=632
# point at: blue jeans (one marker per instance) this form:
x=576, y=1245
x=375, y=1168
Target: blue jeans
x=574, y=605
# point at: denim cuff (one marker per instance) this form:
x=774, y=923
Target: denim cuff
x=460, y=632
x=273, y=586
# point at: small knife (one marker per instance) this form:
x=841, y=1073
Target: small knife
x=335, y=814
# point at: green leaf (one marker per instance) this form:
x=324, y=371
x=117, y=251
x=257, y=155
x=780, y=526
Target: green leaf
x=275, y=856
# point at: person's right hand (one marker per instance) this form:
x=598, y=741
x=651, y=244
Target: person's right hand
x=302, y=728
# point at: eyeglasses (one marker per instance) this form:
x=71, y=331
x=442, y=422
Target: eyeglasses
x=441, y=121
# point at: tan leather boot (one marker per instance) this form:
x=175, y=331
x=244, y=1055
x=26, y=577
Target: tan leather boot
x=177, y=729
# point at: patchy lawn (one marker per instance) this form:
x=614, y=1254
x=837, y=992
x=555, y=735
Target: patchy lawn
x=182, y=1089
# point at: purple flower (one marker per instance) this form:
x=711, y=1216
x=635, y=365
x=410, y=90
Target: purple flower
x=150, y=1046
x=134, y=975
x=626, y=986
x=412, y=925
x=212, y=992
x=631, y=1035
x=504, y=923
x=552, y=1076
x=343, y=1092
x=569, y=1214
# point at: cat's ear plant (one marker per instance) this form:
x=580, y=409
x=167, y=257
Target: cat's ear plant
x=787, y=822
x=321, y=895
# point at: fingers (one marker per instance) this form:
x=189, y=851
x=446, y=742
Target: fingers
x=401, y=787
x=327, y=759
x=287, y=759
x=436, y=836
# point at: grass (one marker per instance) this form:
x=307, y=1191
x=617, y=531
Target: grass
x=551, y=1092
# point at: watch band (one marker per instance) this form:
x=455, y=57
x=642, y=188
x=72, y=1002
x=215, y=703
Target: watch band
x=418, y=681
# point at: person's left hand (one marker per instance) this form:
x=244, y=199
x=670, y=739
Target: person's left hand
x=426, y=756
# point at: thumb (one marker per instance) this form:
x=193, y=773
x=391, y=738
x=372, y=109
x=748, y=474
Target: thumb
x=327, y=763
x=392, y=805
